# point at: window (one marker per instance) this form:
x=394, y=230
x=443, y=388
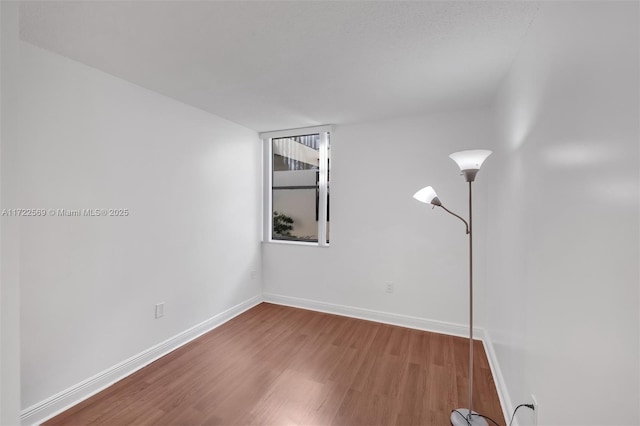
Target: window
x=297, y=185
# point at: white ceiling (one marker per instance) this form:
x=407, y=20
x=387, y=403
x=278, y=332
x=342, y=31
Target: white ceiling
x=278, y=65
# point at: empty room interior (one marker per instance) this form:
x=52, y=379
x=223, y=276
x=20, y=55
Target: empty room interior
x=320, y=213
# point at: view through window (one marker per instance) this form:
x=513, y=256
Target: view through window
x=300, y=188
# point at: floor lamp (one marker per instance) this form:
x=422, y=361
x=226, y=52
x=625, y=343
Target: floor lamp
x=469, y=163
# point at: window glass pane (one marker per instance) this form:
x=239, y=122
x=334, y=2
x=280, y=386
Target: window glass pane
x=295, y=165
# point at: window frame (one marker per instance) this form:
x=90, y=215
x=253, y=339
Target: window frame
x=323, y=184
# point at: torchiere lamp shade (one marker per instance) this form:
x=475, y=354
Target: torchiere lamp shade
x=470, y=161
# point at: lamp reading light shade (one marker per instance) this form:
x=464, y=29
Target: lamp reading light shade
x=470, y=161
x=427, y=195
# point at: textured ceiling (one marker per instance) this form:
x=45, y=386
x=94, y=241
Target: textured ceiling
x=277, y=65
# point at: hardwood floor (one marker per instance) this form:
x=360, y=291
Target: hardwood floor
x=275, y=365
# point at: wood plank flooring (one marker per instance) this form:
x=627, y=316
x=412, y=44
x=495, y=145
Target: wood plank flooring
x=275, y=365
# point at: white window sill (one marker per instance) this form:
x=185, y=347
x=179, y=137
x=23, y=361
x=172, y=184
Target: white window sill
x=294, y=243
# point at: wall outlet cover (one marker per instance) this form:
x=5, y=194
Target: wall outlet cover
x=160, y=310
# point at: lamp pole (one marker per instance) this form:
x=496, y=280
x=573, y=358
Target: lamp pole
x=470, y=306
x=458, y=416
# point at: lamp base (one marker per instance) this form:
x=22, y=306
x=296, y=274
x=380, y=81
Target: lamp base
x=459, y=418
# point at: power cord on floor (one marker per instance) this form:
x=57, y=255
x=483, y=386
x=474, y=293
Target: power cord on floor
x=475, y=414
x=486, y=417
x=513, y=416
x=531, y=406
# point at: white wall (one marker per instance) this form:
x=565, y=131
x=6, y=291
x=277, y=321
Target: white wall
x=380, y=233
x=9, y=242
x=191, y=182
x=563, y=280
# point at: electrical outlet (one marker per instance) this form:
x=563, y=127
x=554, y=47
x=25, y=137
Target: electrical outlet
x=536, y=407
x=389, y=287
x=160, y=310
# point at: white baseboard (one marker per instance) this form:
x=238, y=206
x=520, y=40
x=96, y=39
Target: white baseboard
x=377, y=316
x=61, y=401
x=410, y=322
